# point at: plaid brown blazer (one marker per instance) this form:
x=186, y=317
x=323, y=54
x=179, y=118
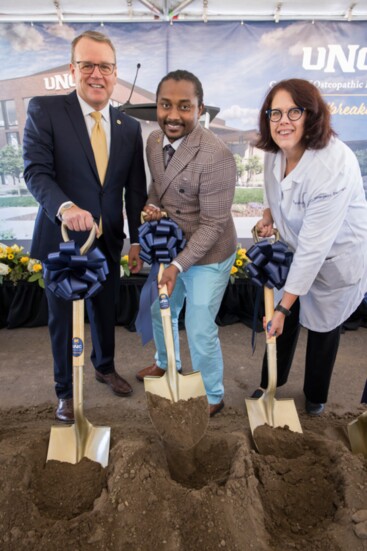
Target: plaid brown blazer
x=196, y=190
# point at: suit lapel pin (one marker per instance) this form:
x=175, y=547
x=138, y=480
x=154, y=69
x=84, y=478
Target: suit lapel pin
x=118, y=121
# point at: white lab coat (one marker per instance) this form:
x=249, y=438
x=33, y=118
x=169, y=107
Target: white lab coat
x=320, y=211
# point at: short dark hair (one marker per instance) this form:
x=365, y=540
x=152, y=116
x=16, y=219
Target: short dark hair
x=317, y=129
x=184, y=75
x=92, y=35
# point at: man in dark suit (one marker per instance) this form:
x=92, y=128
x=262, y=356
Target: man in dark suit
x=83, y=185
x=193, y=181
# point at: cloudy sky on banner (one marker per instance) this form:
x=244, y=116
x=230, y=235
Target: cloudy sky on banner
x=236, y=63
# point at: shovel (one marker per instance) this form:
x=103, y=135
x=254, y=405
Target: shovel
x=357, y=430
x=82, y=439
x=178, y=404
x=266, y=410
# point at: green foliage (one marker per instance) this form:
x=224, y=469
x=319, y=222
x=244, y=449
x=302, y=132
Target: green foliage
x=248, y=195
x=254, y=165
x=11, y=161
x=239, y=164
x=22, y=201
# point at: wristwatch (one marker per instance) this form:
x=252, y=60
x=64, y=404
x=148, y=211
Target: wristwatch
x=65, y=206
x=284, y=311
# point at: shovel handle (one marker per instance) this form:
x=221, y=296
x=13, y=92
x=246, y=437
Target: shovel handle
x=143, y=215
x=269, y=310
x=165, y=309
x=89, y=242
x=257, y=238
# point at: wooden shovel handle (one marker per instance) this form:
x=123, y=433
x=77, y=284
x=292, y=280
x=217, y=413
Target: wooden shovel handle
x=89, y=242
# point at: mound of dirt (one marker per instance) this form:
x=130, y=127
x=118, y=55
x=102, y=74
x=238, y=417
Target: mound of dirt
x=304, y=491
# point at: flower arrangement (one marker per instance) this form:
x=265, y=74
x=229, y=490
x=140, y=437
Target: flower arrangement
x=15, y=266
x=124, y=266
x=239, y=264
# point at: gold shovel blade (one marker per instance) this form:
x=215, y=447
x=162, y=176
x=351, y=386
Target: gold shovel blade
x=64, y=445
x=188, y=386
x=357, y=432
x=180, y=418
x=282, y=414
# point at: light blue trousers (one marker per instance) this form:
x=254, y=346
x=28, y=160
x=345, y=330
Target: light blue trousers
x=203, y=287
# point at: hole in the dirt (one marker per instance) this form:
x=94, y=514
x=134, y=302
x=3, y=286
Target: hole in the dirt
x=300, y=491
x=208, y=462
x=64, y=491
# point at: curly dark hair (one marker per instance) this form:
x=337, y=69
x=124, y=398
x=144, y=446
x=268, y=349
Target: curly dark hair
x=317, y=128
x=180, y=74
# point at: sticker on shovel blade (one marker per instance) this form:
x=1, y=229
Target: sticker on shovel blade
x=77, y=346
x=163, y=301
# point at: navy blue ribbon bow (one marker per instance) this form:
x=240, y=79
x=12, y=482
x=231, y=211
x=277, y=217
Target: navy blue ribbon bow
x=270, y=264
x=160, y=242
x=72, y=276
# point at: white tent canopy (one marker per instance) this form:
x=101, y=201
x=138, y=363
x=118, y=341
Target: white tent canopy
x=67, y=11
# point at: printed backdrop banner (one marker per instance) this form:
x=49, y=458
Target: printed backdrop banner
x=237, y=63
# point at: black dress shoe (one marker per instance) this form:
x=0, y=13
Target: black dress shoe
x=215, y=408
x=117, y=384
x=313, y=408
x=257, y=393
x=65, y=410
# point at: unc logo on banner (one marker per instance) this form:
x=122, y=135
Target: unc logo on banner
x=333, y=57
x=77, y=346
x=59, y=82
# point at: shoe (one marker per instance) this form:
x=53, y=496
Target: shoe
x=65, y=410
x=117, y=384
x=257, y=393
x=151, y=371
x=313, y=408
x=215, y=408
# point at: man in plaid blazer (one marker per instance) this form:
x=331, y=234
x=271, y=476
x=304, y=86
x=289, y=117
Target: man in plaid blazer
x=194, y=184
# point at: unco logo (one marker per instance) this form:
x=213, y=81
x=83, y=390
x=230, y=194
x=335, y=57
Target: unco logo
x=77, y=346
x=333, y=57
x=59, y=82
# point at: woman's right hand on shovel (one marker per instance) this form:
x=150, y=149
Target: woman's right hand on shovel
x=264, y=227
x=274, y=328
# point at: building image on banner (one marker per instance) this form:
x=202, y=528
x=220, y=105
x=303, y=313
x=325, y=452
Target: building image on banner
x=236, y=63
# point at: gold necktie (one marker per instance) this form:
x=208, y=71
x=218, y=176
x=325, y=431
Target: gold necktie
x=99, y=145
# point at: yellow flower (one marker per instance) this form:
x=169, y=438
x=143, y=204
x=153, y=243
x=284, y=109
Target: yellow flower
x=37, y=268
x=10, y=256
x=125, y=258
x=239, y=262
x=233, y=270
x=24, y=259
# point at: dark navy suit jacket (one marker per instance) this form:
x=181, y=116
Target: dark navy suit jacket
x=60, y=166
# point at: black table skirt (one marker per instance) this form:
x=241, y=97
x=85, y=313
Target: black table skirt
x=25, y=304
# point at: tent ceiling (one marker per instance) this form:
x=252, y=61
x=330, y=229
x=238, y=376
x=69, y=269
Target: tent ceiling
x=68, y=11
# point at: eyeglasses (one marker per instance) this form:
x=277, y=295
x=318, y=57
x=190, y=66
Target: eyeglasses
x=293, y=114
x=87, y=68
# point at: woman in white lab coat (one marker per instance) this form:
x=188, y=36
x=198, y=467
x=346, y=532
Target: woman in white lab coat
x=315, y=197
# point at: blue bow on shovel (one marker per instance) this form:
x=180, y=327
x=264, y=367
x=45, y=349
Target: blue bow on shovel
x=269, y=267
x=160, y=243
x=74, y=276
